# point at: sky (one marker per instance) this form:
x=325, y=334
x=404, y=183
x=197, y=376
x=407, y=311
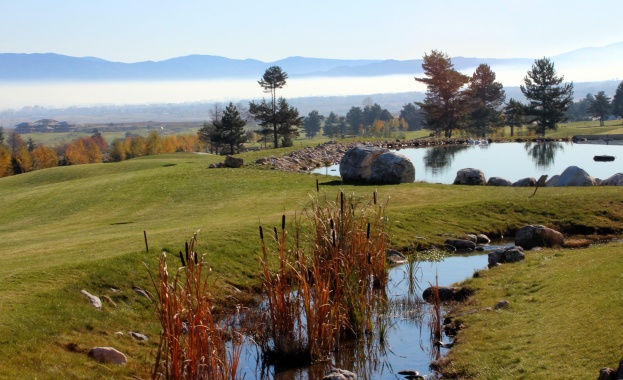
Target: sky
x=269, y=30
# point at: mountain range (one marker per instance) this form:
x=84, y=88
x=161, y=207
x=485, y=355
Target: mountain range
x=56, y=67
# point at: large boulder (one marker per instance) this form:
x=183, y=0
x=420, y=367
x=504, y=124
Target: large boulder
x=392, y=168
x=461, y=244
x=498, y=181
x=233, y=162
x=525, y=182
x=108, y=355
x=339, y=374
x=376, y=165
x=470, y=176
x=615, y=180
x=356, y=163
x=537, y=235
x=574, y=176
x=447, y=293
x=505, y=255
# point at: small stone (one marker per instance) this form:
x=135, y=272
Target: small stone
x=501, y=305
x=138, y=336
x=140, y=291
x=339, y=374
x=108, y=355
x=95, y=301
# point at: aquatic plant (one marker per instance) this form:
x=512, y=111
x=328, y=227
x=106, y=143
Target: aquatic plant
x=325, y=286
x=195, y=341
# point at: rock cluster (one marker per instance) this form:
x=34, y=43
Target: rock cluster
x=532, y=236
x=506, y=255
x=308, y=159
x=571, y=176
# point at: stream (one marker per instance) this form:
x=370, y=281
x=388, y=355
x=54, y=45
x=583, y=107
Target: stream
x=407, y=345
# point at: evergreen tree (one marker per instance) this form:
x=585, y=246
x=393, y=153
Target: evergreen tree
x=354, y=117
x=617, y=101
x=312, y=124
x=288, y=121
x=274, y=78
x=444, y=104
x=485, y=97
x=1, y=135
x=600, y=107
x=412, y=115
x=231, y=128
x=548, y=100
x=514, y=112
x=331, y=126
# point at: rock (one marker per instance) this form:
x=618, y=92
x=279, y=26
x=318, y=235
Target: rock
x=95, y=301
x=339, y=374
x=470, y=176
x=233, y=162
x=447, y=293
x=355, y=165
x=482, y=239
x=615, y=180
x=109, y=300
x=395, y=257
x=501, y=305
x=552, y=181
x=525, y=182
x=506, y=255
x=532, y=236
x=392, y=168
x=471, y=237
x=138, y=336
x=498, y=181
x=461, y=244
x=107, y=355
x=212, y=166
x=574, y=176
x=608, y=374
x=141, y=291
x=408, y=372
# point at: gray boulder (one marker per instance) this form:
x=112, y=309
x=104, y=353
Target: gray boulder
x=575, y=176
x=339, y=374
x=95, y=301
x=498, y=181
x=552, y=181
x=392, y=168
x=461, y=244
x=233, y=162
x=537, y=235
x=615, y=180
x=395, y=257
x=107, y=355
x=506, y=255
x=525, y=182
x=470, y=176
x=355, y=165
x=482, y=239
x=447, y=293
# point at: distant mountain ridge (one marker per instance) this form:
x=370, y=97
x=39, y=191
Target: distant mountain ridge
x=56, y=67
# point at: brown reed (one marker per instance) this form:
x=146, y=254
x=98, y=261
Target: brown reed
x=194, y=343
x=324, y=287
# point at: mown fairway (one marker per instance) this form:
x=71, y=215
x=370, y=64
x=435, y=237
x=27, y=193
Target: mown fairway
x=81, y=227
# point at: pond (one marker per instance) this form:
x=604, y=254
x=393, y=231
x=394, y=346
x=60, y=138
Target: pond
x=512, y=161
x=407, y=346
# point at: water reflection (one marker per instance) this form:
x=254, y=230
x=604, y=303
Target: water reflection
x=436, y=159
x=543, y=153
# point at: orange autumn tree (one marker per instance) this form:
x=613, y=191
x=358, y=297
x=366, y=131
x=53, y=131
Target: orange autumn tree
x=44, y=157
x=6, y=169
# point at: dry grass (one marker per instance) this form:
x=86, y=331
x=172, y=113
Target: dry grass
x=195, y=343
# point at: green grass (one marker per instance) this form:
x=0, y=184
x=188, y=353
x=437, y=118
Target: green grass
x=81, y=227
x=564, y=318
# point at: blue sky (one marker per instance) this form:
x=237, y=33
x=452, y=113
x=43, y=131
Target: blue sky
x=268, y=30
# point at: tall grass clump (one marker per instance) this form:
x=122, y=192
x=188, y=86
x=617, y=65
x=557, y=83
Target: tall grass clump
x=195, y=342
x=330, y=276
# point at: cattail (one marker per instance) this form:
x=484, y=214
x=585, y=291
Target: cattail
x=276, y=234
x=261, y=233
x=368, y=232
x=331, y=223
x=182, y=259
x=186, y=245
x=283, y=222
x=317, y=186
x=375, y=197
x=341, y=202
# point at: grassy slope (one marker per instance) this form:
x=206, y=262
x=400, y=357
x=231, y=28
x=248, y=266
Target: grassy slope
x=81, y=227
x=564, y=320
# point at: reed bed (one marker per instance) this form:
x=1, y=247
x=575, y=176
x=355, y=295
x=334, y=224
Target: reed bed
x=195, y=342
x=329, y=279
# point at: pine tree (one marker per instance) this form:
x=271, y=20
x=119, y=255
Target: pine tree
x=548, y=100
x=485, y=97
x=600, y=107
x=617, y=101
x=444, y=105
x=274, y=78
x=231, y=128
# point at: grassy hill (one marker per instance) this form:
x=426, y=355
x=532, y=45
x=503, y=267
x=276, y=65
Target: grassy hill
x=81, y=227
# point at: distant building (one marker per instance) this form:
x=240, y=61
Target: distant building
x=45, y=126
